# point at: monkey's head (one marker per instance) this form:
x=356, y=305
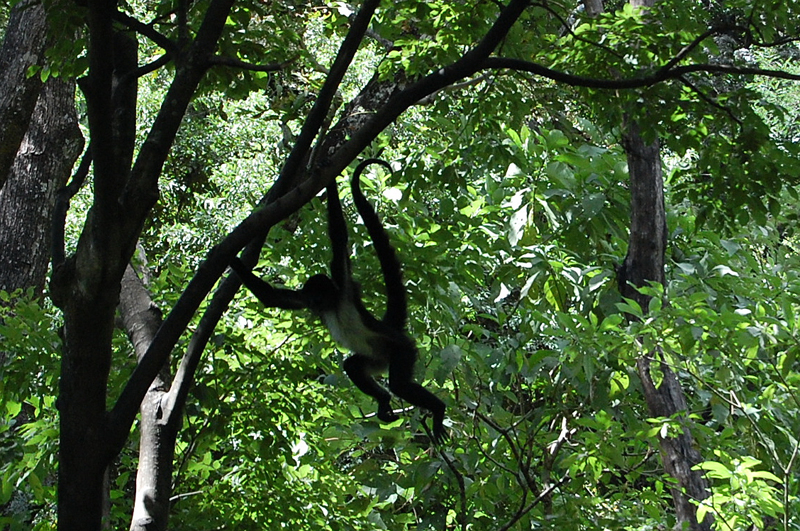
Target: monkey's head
x=321, y=294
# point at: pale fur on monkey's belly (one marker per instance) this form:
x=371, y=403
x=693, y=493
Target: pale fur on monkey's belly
x=348, y=330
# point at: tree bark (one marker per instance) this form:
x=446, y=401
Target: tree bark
x=39, y=142
x=23, y=47
x=593, y=7
x=157, y=431
x=647, y=242
x=679, y=453
x=42, y=166
x=644, y=263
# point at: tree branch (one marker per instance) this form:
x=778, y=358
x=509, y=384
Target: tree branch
x=733, y=70
x=97, y=88
x=319, y=111
x=237, y=63
x=184, y=376
x=691, y=46
x=141, y=190
x=468, y=65
x=148, y=31
x=152, y=66
x=567, y=27
x=225, y=293
x=62, y=200
x=631, y=83
x=709, y=100
x=545, y=493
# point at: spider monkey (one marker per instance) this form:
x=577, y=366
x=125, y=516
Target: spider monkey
x=377, y=344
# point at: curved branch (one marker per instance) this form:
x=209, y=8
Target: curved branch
x=152, y=66
x=545, y=493
x=468, y=65
x=568, y=28
x=455, y=86
x=631, y=83
x=570, y=79
x=184, y=376
x=62, y=201
x=147, y=30
x=122, y=415
x=733, y=70
x=143, y=70
x=778, y=42
x=703, y=96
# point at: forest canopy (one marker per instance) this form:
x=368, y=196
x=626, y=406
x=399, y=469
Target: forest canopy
x=594, y=207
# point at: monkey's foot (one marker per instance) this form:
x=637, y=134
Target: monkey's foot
x=385, y=413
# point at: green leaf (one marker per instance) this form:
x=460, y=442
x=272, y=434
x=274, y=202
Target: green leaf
x=714, y=469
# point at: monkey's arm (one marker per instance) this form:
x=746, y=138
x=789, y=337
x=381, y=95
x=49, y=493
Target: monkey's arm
x=270, y=296
x=337, y=232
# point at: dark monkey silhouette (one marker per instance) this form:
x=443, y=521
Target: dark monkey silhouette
x=377, y=344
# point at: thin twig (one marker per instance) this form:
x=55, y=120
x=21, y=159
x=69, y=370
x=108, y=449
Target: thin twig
x=709, y=100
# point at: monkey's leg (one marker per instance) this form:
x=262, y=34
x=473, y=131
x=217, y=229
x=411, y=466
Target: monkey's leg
x=402, y=384
x=359, y=369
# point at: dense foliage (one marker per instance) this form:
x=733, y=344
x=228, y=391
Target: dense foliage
x=509, y=208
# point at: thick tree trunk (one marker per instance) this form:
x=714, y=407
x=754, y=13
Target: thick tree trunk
x=85, y=448
x=39, y=142
x=43, y=164
x=648, y=232
x=645, y=263
x=86, y=285
x=23, y=47
x=27, y=200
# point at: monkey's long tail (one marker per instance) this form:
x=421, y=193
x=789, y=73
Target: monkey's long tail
x=396, y=300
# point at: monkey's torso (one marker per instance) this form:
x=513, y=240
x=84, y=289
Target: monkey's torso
x=355, y=329
x=348, y=329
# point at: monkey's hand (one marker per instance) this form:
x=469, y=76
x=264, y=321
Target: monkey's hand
x=440, y=434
